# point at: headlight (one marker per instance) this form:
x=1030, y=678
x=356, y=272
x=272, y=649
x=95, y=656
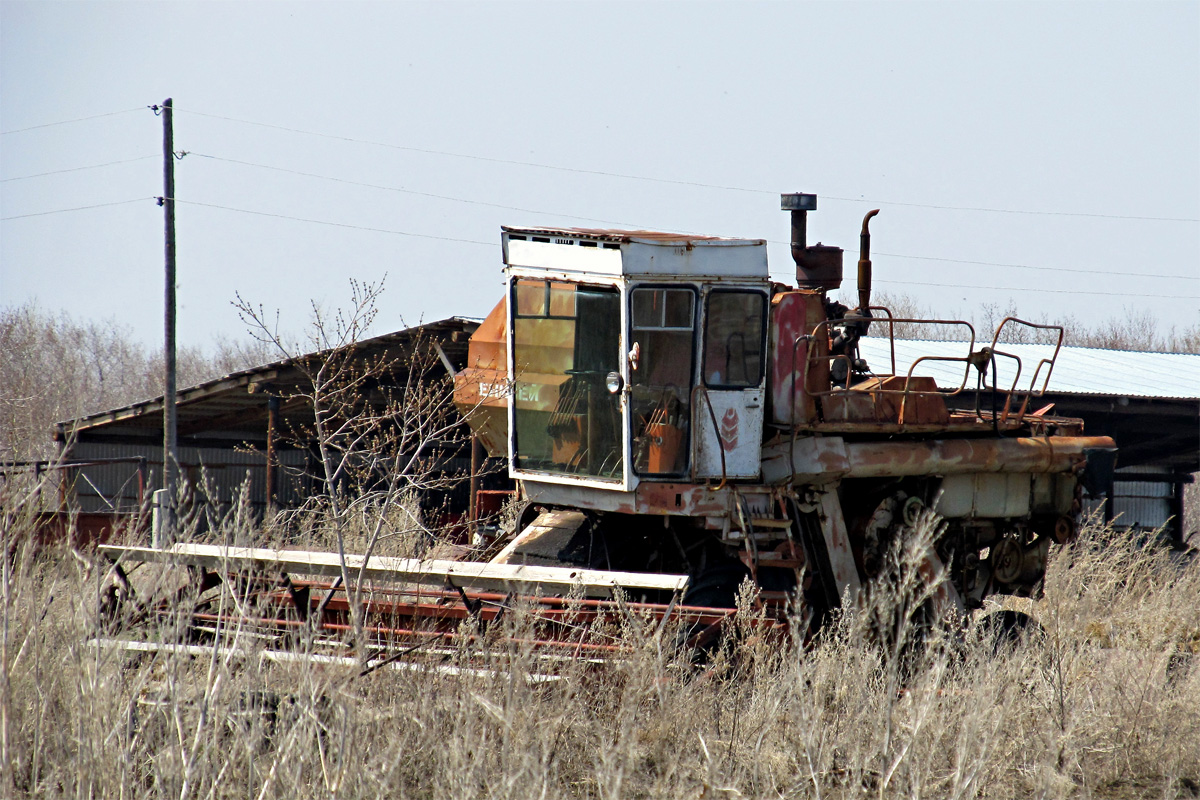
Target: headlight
x=613, y=382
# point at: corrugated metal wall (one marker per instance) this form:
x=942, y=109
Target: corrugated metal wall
x=217, y=473
x=1142, y=504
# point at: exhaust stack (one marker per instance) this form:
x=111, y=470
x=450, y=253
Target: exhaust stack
x=818, y=267
x=864, y=263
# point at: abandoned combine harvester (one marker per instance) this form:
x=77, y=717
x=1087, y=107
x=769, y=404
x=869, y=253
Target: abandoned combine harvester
x=676, y=419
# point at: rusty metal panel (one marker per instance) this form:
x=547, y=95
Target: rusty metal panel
x=837, y=543
x=794, y=315
x=989, y=495
x=481, y=389
x=954, y=456
x=808, y=460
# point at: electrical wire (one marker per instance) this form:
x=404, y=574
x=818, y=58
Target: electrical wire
x=1011, y=210
x=1090, y=272
x=70, y=121
x=641, y=227
x=401, y=189
x=489, y=159
x=78, y=169
x=493, y=244
x=332, y=224
x=77, y=208
x=1040, y=289
x=669, y=181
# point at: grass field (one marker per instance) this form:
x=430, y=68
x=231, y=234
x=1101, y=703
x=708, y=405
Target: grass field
x=1105, y=703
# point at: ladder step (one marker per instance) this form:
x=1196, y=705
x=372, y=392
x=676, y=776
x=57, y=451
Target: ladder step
x=737, y=537
x=785, y=563
x=769, y=522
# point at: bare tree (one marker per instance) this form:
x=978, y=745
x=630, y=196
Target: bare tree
x=380, y=420
x=54, y=367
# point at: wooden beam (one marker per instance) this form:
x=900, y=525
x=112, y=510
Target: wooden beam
x=435, y=572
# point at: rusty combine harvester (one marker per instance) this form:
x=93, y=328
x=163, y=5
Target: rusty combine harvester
x=678, y=424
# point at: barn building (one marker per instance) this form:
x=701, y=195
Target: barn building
x=242, y=438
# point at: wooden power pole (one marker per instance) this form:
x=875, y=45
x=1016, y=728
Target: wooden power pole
x=166, y=531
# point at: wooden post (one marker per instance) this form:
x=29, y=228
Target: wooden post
x=166, y=533
x=272, y=452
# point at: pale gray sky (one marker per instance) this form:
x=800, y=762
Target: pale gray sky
x=675, y=116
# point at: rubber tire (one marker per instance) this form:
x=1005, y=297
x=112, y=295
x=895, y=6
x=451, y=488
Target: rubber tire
x=717, y=585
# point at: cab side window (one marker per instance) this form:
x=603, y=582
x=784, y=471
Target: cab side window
x=733, y=339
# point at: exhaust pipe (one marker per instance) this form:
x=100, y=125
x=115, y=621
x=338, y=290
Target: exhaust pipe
x=864, y=263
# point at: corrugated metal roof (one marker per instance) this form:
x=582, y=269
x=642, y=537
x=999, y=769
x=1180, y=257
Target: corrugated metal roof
x=228, y=394
x=1078, y=370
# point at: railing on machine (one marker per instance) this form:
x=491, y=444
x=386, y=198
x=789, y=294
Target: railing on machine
x=1048, y=363
x=979, y=359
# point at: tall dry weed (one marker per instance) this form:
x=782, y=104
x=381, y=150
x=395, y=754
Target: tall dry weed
x=1104, y=703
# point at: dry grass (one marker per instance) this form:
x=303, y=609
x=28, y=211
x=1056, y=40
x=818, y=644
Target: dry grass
x=1105, y=704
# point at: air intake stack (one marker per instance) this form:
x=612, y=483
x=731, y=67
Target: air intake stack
x=818, y=267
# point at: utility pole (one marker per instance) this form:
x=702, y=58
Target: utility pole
x=165, y=531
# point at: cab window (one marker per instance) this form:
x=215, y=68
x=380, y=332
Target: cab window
x=663, y=331
x=733, y=339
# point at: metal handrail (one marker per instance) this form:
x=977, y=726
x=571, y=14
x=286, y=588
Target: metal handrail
x=1047, y=362
x=907, y=390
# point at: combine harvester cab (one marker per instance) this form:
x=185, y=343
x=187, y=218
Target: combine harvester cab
x=664, y=407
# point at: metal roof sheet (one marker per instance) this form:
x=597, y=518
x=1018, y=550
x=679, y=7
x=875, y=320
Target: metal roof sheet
x=228, y=393
x=619, y=235
x=1077, y=370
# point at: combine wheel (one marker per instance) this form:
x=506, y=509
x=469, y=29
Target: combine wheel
x=717, y=585
x=1005, y=630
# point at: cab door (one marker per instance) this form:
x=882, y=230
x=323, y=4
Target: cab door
x=663, y=336
x=727, y=416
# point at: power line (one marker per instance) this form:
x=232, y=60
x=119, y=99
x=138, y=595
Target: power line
x=77, y=208
x=634, y=225
x=493, y=244
x=1039, y=289
x=333, y=224
x=77, y=169
x=670, y=181
x=70, y=121
x=489, y=159
x=1092, y=273
x=1089, y=272
x=400, y=189
x=1011, y=210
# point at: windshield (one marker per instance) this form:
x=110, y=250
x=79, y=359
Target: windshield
x=566, y=340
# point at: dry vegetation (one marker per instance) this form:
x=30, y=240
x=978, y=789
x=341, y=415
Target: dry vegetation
x=1105, y=704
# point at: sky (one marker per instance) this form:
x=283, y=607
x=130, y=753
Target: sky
x=1044, y=154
